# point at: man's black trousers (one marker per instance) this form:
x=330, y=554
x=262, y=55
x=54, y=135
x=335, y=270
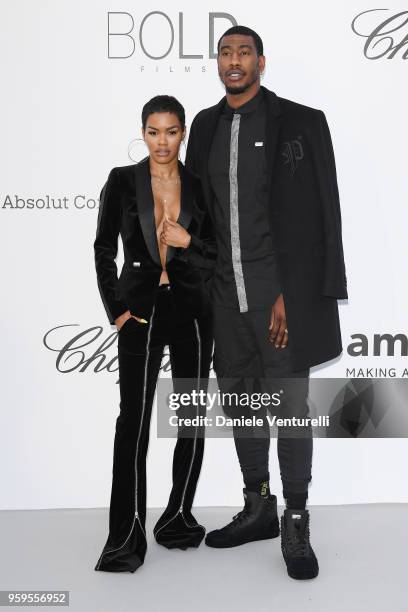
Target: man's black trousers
x=246, y=361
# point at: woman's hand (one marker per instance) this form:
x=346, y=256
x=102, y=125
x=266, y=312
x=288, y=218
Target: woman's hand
x=174, y=235
x=119, y=321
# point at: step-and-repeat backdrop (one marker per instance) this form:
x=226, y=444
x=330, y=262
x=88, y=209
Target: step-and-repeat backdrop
x=74, y=79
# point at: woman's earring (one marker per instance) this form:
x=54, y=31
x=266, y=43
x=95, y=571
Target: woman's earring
x=185, y=150
x=138, y=147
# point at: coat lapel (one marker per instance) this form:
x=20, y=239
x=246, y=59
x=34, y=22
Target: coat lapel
x=272, y=129
x=207, y=138
x=186, y=205
x=145, y=204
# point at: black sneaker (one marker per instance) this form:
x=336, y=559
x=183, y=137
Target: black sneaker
x=257, y=521
x=297, y=551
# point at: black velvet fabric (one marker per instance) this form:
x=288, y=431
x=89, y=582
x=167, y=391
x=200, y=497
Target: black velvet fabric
x=127, y=209
x=140, y=351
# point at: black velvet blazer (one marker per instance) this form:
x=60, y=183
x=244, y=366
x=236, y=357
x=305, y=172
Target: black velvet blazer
x=127, y=208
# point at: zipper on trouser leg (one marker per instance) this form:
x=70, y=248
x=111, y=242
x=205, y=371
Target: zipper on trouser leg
x=136, y=516
x=180, y=510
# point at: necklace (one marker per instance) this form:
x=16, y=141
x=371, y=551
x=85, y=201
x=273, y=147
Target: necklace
x=175, y=181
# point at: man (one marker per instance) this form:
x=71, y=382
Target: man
x=268, y=173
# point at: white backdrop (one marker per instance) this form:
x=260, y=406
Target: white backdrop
x=68, y=114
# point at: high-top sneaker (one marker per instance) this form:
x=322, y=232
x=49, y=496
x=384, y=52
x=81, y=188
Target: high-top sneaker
x=297, y=551
x=257, y=521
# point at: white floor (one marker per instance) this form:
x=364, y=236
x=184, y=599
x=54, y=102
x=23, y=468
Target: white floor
x=362, y=552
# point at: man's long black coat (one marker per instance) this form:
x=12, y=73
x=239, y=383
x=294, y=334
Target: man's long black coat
x=304, y=219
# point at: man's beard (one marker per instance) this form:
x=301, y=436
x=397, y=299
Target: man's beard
x=235, y=91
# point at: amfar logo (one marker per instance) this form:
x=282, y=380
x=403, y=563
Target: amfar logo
x=382, y=344
x=386, y=38
x=155, y=35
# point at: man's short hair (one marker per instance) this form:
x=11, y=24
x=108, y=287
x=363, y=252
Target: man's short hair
x=245, y=32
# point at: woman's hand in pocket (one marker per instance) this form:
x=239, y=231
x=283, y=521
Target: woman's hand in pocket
x=120, y=321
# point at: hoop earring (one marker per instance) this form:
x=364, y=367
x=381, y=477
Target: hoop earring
x=139, y=140
x=185, y=150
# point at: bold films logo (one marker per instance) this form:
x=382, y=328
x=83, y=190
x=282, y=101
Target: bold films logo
x=158, y=36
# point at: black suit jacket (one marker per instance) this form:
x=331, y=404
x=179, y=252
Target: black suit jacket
x=304, y=219
x=127, y=208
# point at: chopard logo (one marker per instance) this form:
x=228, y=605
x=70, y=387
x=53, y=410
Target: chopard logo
x=85, y=350
x=384, y=39
x=88, y=349
x=292, y=153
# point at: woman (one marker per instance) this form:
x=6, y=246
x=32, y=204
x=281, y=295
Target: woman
x=160, y=298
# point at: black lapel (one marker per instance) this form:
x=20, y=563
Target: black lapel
x=273, y=123
x=211, y=124
x=187, y=195
x=207, y=138
x=145, y=205
x=186, y=204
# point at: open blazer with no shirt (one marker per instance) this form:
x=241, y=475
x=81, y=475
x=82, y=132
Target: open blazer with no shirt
x=127, y=208
x=304, y=219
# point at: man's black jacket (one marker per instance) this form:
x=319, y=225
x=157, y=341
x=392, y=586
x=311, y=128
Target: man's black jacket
x=304, y=219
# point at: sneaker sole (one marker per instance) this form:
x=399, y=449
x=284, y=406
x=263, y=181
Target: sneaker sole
x=273, y=534
x=303, y=576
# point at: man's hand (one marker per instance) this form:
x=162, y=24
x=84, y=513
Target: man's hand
x=278, y=333
x=174, y=235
